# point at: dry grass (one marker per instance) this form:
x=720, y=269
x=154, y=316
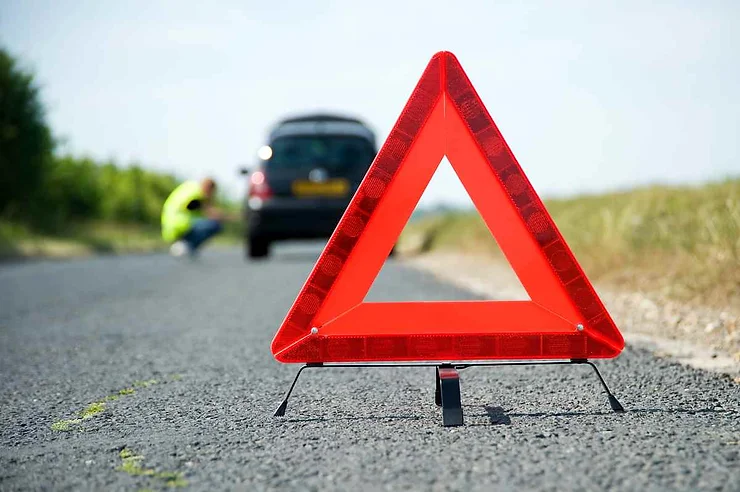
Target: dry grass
x=77, y=239
x=86, y=238
x=683, y=242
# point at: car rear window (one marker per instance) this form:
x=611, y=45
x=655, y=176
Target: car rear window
x=330, y=152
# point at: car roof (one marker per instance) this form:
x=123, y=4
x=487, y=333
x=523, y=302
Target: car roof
x=322, y=124
x=320, y=117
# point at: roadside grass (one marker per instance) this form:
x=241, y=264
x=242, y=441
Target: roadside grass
x=87, y=238
x=682, y=241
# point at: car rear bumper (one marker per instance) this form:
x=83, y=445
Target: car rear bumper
x=295, y=218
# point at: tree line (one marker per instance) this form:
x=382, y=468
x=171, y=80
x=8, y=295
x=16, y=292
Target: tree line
x=46, y=190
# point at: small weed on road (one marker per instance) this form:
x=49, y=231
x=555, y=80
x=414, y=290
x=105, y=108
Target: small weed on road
x=131, y=464
x=99, y=406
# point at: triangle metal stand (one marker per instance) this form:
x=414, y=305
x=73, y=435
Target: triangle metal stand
x=447, y=389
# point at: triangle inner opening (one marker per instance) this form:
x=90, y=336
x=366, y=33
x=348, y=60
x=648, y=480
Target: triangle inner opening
x=446, y=252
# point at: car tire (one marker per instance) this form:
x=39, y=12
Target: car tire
x=257, y=247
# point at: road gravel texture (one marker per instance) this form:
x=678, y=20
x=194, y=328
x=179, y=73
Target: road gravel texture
x=157, y=373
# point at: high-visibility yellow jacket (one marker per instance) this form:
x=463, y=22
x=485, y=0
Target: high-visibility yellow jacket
x=182, y=207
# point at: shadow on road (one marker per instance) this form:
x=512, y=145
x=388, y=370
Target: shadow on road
x=366, y=417
x=497, y=415
x=685, y=411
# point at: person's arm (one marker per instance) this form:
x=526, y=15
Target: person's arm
x=213, y=212
x=216, y=213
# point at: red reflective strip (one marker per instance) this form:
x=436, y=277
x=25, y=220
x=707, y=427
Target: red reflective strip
x=451, y=347
x=447, y=317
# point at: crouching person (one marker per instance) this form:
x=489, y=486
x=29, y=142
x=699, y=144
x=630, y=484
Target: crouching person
x=189, y=218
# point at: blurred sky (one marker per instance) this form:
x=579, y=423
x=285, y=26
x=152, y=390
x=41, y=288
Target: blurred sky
x=590, y=95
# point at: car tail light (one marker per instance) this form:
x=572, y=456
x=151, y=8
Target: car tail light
x=258, y=187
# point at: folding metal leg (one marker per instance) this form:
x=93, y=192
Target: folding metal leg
x=280, y=412
x=447, y=384
x=613, y=402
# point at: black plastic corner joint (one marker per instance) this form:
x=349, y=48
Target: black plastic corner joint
x=448, y=384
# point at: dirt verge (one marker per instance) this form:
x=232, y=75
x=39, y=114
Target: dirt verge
x=704, y=338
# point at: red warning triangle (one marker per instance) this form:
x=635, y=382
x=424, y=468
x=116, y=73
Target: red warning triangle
x=329, y=322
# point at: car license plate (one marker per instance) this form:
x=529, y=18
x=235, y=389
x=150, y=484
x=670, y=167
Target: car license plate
x=330, y=188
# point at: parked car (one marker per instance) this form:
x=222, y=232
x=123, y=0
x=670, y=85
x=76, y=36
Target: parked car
x=308, y=171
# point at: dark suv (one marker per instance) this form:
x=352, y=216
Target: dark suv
x=308, y=171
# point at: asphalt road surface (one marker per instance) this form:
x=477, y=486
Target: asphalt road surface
x=169, y=364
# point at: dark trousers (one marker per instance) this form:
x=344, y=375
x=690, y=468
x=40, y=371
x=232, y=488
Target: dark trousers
x=202, y=230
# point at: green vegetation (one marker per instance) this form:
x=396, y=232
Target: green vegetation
x=64, y=425
x=54, y=204
x=90, y=411
x=146, y=384
x=683, y=241
x=98, y=406
x=131, y=464
x=77, y=238
x=83, y=189
x=25, y=139
x=93, y=409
